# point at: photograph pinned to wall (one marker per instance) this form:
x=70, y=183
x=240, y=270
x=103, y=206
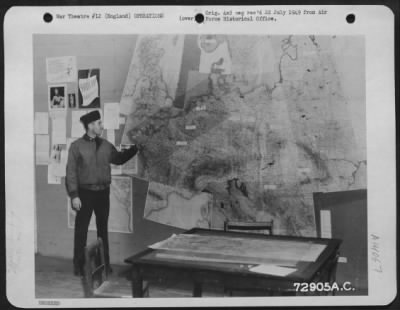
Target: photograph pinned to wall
x=52, y=178
x=72, y=101
x=61, y=69
x=89, y=88
x=57, y=164
x=58, y=159
x=56, y=97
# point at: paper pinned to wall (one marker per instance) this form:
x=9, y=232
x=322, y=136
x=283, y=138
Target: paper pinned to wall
x=131, y=166
x=89, y=89
x=42, y=149
x=77, y=129
x=61, y=69
x=116, y=169
x=52, y=178
x=41, y=123
x=58, y=160
x=111, y=115
x=59, y=128
x=326, y=228
x=111, y=136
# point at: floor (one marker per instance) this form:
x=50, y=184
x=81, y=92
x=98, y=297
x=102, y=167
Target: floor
x=54, y=278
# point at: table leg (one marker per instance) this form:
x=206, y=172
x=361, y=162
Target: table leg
x=137, y=282
x=197, y=289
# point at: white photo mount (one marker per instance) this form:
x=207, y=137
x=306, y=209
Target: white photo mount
x=373, y=25
x=57, y=97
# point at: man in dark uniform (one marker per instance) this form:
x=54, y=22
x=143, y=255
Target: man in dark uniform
x=88, y=180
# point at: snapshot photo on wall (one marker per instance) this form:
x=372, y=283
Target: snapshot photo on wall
x=56, y=96
x=72, y=101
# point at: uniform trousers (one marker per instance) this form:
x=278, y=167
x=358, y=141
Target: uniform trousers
x=99, y=202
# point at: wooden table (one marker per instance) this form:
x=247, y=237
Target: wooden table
x=148, y=266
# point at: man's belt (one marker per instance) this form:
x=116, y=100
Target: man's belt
x=94, y=187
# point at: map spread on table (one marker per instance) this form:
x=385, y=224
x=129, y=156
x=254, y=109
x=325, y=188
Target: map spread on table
x=236, y=249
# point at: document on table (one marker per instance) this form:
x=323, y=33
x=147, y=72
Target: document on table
x=255, y=250
x=273, y=270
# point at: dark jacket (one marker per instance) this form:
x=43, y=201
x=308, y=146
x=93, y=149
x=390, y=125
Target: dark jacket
x=89, y=163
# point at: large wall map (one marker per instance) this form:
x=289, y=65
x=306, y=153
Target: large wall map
x=241, y=127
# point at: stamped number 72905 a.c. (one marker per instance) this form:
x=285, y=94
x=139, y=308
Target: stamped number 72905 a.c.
x=305, y=287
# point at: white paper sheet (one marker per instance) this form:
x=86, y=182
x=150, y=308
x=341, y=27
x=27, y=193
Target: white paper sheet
x=52, y=178
x=111, y=136
x=116, y=169
x=64, y=157
x=77, y=129
x=313, y=252
x=89, y=89
x=326, y=228
x=58, y=160
x=59, y=129
x=41, y=123
x=273, y=270
x=42, y=149
x=111, y=115
x=61, y=69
